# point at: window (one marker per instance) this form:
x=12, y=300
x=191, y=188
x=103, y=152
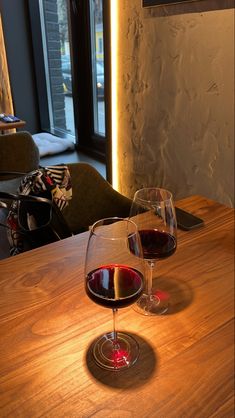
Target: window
x=70, y=69
x=97, y=59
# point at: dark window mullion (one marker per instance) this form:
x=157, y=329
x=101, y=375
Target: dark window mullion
x=34, y=12
x=81, y=68
x=80, y=41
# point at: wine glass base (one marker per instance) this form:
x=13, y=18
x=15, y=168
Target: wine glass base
x=151, y=305
x=116, y=357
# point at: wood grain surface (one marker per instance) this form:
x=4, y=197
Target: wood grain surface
x=11, y=125
x=186, y=363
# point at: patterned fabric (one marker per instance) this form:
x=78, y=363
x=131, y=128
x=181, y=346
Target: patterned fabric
x=52, y=182
x=55, y=179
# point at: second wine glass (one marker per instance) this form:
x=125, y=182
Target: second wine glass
x=154, y=213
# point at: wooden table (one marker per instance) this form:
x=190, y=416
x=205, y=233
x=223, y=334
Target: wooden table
x=12, y=125
x=185, y=369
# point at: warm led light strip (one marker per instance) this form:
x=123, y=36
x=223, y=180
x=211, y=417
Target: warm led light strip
x=114, y=61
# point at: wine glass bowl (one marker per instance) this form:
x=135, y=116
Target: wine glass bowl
x=153, y=212
x=114, y=278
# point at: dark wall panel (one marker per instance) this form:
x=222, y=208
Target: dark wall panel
x=18, y=44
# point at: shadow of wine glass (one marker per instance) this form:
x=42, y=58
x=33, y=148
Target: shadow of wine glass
x=137, y=375
x=178, y=293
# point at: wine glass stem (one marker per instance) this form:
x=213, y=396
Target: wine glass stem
x=115, y=339
x=150, y=277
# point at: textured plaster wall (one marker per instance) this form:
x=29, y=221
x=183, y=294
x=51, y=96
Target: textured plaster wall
x=176, y=101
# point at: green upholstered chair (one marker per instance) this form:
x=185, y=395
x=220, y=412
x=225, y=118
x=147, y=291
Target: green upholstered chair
x=18, y=152
x=93, y=197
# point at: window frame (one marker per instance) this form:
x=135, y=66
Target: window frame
x=87, y=140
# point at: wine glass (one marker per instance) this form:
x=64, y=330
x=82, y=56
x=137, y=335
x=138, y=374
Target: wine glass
x=153, y=212
x=114, y=278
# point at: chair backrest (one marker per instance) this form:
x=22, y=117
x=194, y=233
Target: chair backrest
x=93, y=198
x=18, y=152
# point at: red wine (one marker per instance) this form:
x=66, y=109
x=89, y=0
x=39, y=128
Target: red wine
x=157, y=244
x=114, y=286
